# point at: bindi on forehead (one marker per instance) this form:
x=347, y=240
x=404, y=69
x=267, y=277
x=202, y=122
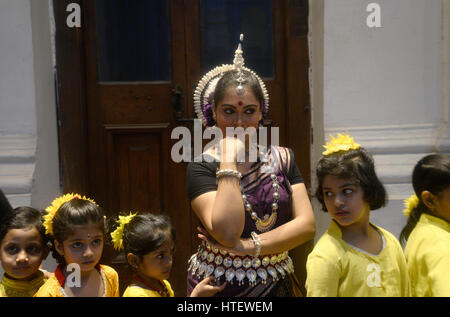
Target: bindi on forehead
x=240, y=103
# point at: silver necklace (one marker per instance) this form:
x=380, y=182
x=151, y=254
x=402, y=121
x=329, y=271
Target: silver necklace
x=268, y=221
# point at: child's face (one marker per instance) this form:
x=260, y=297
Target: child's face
x=84, y=247
x=443, y=204
x=344, y=199
x=158, y=264
x=22, y=251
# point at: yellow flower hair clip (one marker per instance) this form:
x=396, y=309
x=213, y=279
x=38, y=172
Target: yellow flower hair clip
x=54, y=207
x=117, y=235
x=341, y=143
x=410, y=203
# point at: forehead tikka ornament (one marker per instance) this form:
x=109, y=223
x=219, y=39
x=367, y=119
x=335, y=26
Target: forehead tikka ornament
x=204, y=92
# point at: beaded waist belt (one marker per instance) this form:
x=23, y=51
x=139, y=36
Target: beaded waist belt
x=213, y=261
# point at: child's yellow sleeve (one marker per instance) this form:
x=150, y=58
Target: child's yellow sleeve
x=439, y=275
x=322, y=277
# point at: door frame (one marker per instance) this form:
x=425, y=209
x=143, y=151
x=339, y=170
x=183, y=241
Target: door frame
x=71, y=100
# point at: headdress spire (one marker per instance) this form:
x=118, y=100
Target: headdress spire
x=238, y=64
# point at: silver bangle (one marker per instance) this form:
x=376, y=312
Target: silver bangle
x=257, y=244
x=228, y=172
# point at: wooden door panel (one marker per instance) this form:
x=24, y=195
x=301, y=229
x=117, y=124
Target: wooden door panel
x=136, y=103
x=138, y=167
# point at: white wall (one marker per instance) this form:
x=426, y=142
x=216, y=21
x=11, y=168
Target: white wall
x=385, y=86
x=17, y=89
x=46, y=183
x=29, y=164
x=382, y=76
x=17, y=102
x=29, y=167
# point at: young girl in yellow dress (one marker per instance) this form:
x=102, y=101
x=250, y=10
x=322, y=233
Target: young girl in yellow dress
x=77, y=226
x=427, y=231
x=354, y=257
x=23, y=246
x=148, y=242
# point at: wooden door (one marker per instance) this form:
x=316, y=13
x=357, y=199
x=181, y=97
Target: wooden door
x=136, y=58
x=121, y=73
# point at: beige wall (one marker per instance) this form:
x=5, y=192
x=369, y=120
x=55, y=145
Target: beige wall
x=29, y=164
x=388, y=87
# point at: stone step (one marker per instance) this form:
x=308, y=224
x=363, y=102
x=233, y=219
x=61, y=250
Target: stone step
x=17, y=200
x=16, y=178
x=17, y=148
x=414, y=139
x=396, y=168
x=17, y=162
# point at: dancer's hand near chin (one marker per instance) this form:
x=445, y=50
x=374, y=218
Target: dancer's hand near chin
x=228, y=150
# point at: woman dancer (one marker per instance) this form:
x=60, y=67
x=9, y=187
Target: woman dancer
x=252, y=210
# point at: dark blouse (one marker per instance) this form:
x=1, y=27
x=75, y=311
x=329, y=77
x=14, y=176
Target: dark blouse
x=201, y=177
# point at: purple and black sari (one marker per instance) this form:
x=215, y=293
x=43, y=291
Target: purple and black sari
x=268, y=274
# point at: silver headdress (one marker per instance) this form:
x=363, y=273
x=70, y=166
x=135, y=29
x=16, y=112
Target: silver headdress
x=204, y=93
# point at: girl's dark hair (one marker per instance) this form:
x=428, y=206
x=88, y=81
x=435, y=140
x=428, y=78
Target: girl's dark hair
x=357, y=164
x=146, y=233
x=21, y=218
x=73, y=213
x=5, y=207
x=431, y=173
x=229, y=80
